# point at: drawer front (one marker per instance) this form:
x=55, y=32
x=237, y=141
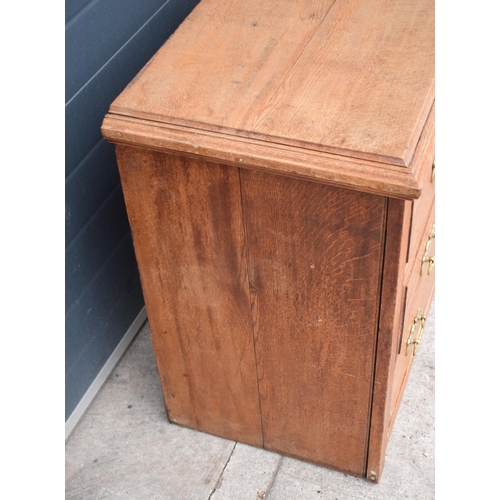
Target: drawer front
x=420, y=212
x=418, y=294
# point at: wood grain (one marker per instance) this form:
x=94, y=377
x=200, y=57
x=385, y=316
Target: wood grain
x=222, y=62
x=353, y=77
x=363, y=86
x=188, y=237
x=314, y=253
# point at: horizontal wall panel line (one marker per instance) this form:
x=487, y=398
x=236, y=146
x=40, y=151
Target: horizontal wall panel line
x=86, y=109
x=100, y=348
x=117, y=188
x=98, y=32
x=94, y=246
x=88, y=187
x=75, y=8
x=111, y=363
x=96, y=276
x=84, y=159
x=88, y=313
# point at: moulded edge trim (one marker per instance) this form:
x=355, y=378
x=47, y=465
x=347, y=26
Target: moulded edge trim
x=328, y=168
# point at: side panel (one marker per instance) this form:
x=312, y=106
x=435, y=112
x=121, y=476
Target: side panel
x=315, y=255
x=188, y=236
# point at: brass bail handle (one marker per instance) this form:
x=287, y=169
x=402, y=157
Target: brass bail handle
x=415, y=336
x=426, y=258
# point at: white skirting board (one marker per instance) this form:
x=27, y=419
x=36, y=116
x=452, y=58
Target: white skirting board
x=105, y=372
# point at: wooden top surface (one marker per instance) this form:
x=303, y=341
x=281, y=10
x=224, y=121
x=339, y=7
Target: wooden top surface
x=351, y=77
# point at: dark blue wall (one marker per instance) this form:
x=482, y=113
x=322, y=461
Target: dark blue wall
x=107, y=43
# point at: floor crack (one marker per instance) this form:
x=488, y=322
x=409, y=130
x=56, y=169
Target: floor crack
x=273, y=479
x=219, y=480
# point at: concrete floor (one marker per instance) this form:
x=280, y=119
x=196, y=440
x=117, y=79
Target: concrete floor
x=124, y=447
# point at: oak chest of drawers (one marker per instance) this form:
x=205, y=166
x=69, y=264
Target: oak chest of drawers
x=277, y=165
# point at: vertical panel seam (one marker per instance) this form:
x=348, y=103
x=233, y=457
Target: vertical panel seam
x=247, y=258
x=383, y=245
x=307, y=42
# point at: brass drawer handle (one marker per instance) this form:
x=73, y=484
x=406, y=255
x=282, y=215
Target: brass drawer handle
x=433, y=173
x=426, y=258
x=415, y=337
